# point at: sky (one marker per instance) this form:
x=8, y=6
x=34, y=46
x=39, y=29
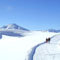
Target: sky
x=31, y=14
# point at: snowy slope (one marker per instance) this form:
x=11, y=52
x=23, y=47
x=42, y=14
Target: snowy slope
x=16, y=48
x=47, y=51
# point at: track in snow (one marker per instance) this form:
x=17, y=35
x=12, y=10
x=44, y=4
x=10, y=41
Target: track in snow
x=30, y=56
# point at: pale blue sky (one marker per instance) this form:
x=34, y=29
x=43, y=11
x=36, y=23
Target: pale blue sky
x=31, y=14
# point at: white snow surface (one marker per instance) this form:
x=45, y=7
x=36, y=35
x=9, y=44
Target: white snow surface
x=48, y=51
x=15, y=48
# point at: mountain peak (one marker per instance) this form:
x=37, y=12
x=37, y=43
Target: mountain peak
x=13, y=26
x=10, y=26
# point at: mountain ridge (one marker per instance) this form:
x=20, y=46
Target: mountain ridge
x=13, y=30
x=13, y=26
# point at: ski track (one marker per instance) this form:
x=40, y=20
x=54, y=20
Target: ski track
x=33, y=51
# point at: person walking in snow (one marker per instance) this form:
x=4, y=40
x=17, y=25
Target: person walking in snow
x=47, y=40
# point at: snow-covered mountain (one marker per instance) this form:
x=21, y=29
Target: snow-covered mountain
x=33, y=46
x=13, y=30
x=14, y=26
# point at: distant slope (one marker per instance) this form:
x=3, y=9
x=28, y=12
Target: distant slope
x=13, y=30
x=54, y=30
x=14, y=26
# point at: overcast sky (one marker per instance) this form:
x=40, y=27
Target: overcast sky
x=31, y=14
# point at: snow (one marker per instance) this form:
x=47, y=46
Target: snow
x=48, y=51
x=16, y=48
x=31, y=54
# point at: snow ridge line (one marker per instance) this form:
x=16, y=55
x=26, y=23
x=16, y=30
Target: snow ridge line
x=30, y=56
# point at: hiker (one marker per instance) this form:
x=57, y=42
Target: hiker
x=47, y=40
